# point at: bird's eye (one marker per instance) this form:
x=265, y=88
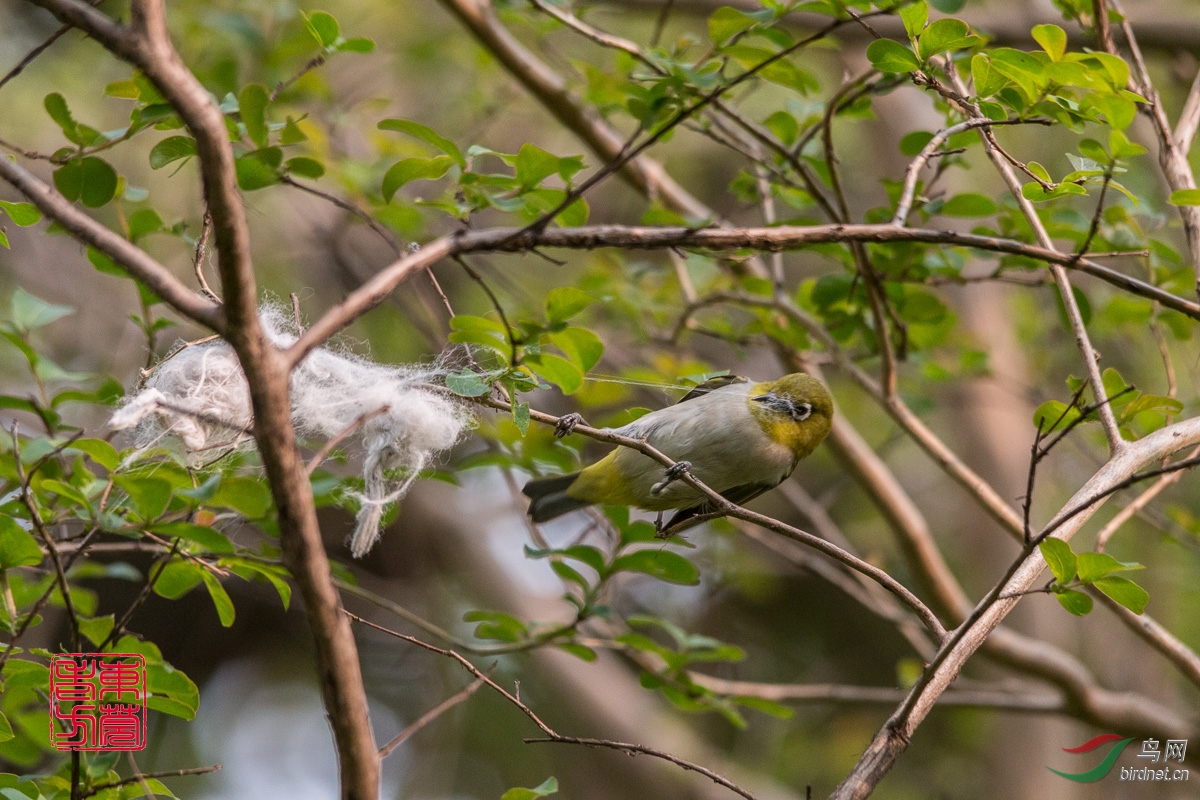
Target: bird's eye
x=801, y=411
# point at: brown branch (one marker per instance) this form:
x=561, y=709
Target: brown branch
x=783, y=237
x=200, y=255
x=341, y=435
x=814, y=693
x=895, y=735
x=346, y=205
x=313, y=63
x=430, y=716
x=146, y=44
x=171, y=773
x=124, y=253
x=1189, y=118
x=551, y=734
x=1172, y=159
x=550, y=89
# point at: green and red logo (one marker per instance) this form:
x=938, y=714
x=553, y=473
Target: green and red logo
x=1104, y=767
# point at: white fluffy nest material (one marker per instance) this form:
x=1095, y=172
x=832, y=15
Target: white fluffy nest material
x=200, y=395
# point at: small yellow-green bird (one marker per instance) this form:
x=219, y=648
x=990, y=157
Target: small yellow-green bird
x=739, y=438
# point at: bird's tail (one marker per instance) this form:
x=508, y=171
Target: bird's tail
x=549, y=498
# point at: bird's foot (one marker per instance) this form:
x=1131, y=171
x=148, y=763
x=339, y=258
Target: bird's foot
x=674, y=473
x=566, y=424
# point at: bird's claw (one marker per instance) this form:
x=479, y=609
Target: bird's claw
x=674, y=473
x=566, y=424
x=677, y=470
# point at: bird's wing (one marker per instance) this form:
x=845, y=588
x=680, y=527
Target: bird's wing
x=712, y=384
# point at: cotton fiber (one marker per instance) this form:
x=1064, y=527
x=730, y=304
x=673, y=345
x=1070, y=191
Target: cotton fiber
x=199, y=395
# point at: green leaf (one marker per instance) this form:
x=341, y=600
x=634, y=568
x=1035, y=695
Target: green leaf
x=6, y=731
x=178, y=578
x=467, y=384
x=913, y=143
x=784, y=126
x=28, y=313
x=886, y=55
x=726, y=22
x=99, y=451
x=357, y=44
x=1059, y=558
x=276, y=576
x=1077, y=603
x=662, y=564
x=969, y=205
x=210, y=539
x=581, y=346
x=414, y=169
x=565, y=302
x=97, y=629
x=252, y=104
x=259, y=168
x=987, y=80
x=56, y=107
x=291, y=133
x=915, y=17
x=556, y=370
x=427, y=135
x=1054, y=415
x=144, y=223
x=17, y=546
x=171, y=149
x=534, y=165
x=323, y=27
x=582, y=652
x=150, y=495
x=127, y=90
x=943, y=35
x=548, y=786
x=90, y=179
x=1125, y=592
x=22, y=214
x=765, y=706
x=220, y=599
x=171, y=692
x=67, y=491
x=573, y=215
x=1185, y=197
x=1093, y=566
x=520, y=415
x=305, y=167
x=497, y=625
x=250, y=497
x=1053, y=40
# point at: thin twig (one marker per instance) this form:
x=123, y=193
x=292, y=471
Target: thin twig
x=312, y=64
x=337, y=438
x=551, y=734
x=201, y=255
x=171, y=773
x=430, y=716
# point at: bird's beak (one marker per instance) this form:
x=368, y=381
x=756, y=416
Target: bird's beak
x=763, y=398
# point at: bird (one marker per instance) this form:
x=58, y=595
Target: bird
x=738, y=437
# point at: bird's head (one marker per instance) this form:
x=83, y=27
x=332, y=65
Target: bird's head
x=795, y=411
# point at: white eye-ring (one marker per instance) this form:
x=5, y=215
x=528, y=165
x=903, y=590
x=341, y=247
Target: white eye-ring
x=801, y=411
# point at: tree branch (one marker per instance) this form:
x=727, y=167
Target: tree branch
x=146, y=44
x=894, y=737
x=124, y=253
